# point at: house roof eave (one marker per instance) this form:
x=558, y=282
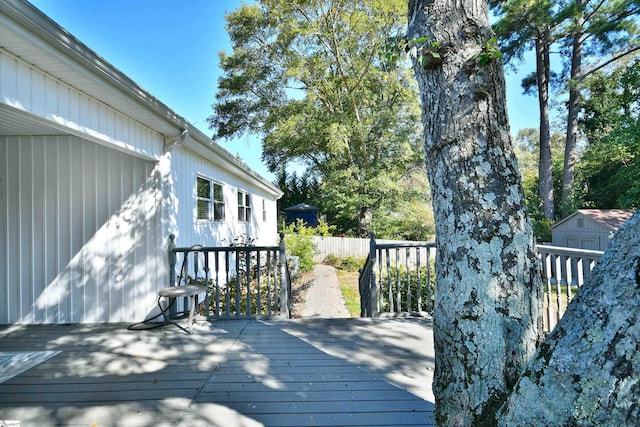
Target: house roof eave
x=201, y=144
x=74, y=55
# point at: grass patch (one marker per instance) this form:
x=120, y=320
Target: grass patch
x=549, y=324
x=350, y=293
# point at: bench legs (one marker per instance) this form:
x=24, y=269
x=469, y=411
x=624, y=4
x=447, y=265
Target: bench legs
x=165, y=311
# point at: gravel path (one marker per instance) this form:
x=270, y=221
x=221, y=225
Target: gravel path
x=324, y=299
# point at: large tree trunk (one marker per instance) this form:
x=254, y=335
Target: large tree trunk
x=572, y=120
x=487, y=319
x=365, y=216
x=588, y=370
x=545, y=180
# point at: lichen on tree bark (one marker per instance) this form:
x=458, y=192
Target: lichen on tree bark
x=488, y=292
x=587, y=372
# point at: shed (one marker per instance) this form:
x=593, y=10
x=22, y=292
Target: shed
x=303, y=211
x=95, y=174
x=589, y=228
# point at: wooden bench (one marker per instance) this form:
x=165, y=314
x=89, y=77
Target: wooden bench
x=177, y=292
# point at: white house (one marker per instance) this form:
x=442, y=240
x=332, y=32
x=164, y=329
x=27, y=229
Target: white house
x=95, y=174
x=589, y=228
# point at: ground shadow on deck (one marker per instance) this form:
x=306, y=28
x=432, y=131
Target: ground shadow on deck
x=229, y=373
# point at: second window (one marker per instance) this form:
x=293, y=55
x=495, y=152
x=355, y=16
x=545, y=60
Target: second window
x=244, y=206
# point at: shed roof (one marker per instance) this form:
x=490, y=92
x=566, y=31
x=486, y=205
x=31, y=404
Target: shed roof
x=302, y=207
x=612, y=218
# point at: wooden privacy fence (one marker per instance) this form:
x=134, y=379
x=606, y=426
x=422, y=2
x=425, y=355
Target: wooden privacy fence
x=399, y=278
x=345, y=246
x=237, y=281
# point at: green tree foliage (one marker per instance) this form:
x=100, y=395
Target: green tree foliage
x=308, y=77
x=593, y=29
x=526, y=149
x=587, y=34
x=608, y=174
x=296, y=189
x=523, y=25
x=408, y=215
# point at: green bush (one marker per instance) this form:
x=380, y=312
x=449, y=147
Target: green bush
x=333, y=261
x=542, y=230
x=299, y=242
x=242, y=293
x=349, y=263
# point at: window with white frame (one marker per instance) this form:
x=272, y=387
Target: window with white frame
x=244, y=206
x=264, y=210
x=209, y=200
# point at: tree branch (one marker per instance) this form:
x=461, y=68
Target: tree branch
x=615, y=58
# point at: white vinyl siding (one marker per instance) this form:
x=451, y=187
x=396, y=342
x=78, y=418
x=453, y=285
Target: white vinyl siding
x=63, y=107
x=89, y=190
x=80, y=232
x=186, y=166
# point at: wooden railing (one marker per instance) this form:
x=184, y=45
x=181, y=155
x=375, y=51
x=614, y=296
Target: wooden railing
x=237, y=281
x=564, y=271
x=399, y=278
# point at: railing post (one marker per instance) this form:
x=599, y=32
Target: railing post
x=173, y=311
x=284, y=280
x=172, y=260
x=373, y=293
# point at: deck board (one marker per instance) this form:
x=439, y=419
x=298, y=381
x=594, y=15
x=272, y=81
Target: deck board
x=333, y=372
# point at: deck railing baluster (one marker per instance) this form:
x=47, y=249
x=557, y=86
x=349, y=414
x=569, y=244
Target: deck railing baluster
x=247, y=262
x=407, y=254
x=569, y=275
x=207, y=296
x=398, y=298
x=258, y=275
x=560, y=267
x=227, y=297
x=548, y=277
x=217, y=282
x=559, y=281
x=269, y=272
x=390, y=283
x=430, y=296
x=249, y=285
x=419, y=278
x=379, y=302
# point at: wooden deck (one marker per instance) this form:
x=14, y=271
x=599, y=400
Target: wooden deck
x=315, y=372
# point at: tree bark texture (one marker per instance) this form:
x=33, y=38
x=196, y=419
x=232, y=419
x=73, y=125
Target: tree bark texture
x=572, y=119
x=587, y=372
x=545, y=179
x=487, y=320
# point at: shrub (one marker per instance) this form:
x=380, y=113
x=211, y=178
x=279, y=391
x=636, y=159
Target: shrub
x=299, y=242
x=348, y=263
x=333, y=261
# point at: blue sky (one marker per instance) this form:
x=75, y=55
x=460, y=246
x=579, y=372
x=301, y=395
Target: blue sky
x=170, y=48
